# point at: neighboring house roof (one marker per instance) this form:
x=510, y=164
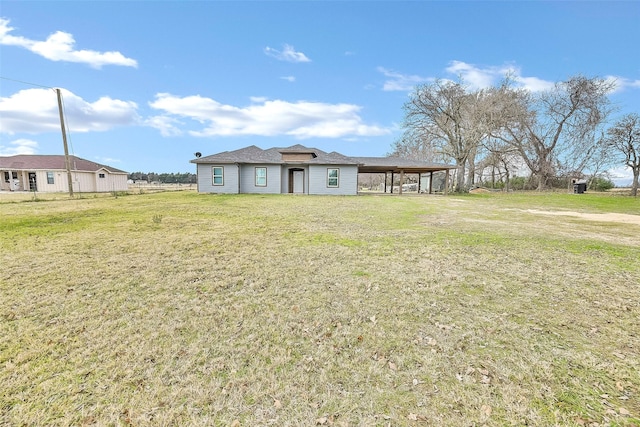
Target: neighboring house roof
x=52, y=162
x=256, y=155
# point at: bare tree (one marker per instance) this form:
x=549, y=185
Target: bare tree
x=446, y=116
x=549, y=128
x=502, y=159
x=415, y=146
x=624, y=137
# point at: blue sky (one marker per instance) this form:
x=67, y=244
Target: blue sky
x=146, y=84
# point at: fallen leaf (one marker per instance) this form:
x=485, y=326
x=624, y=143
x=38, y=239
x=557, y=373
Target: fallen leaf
x=412, y=417
x=321, y=421
x=392, y=366
x=235, y=423
x=277, y=404
x=415, y=382
x=624, y=411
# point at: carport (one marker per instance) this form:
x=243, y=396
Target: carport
x=400, y=166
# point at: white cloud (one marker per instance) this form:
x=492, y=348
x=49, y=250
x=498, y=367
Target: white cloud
x=35, y=111
x=19, y=146
x=300, y=119
x=482, y=77
x=107, y=160
x=60, y=46
x=621, y=176
x=622, y=83
x=289, y=78
x=401, y=82
x=165, y=124
x=288, y=54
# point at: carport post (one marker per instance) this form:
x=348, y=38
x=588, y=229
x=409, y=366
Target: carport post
x=391, y=182
x=431, y=182
x=446, y=182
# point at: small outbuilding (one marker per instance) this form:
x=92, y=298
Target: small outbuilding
x=48, y=174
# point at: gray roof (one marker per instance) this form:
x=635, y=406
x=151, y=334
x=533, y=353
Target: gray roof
x=51, y=162
x=256, y=155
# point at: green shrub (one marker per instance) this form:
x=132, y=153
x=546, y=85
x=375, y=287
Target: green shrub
x=601, y=183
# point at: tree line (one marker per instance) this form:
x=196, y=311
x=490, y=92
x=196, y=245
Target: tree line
x=557, y=135
x=165, y=178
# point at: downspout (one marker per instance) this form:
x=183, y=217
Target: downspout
x=238, y=165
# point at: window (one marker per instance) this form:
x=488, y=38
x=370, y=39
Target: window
x=261, y=177
x=6, y=177
x=100, y=175
x=218, y=175
x=333, y=177
x=50, y=179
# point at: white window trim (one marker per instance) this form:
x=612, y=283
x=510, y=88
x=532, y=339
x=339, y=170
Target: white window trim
x=337, y=178
x=256, y=176
x=213, y=175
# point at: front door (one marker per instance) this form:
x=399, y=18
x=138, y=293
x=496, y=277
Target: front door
x=298, y=181
x=33, y=185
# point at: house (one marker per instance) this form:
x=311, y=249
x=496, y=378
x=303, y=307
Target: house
x=297, y=169
x=48, y=174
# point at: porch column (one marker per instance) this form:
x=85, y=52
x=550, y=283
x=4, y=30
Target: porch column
x=431, y=183
x=385, y=182
x=401, y=180
x=391, y=182
x=446, y=182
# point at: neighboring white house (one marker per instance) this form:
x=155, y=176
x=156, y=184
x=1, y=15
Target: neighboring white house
x=48, y=174
x=295, y=169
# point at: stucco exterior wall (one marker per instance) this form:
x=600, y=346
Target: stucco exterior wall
x=83, y=182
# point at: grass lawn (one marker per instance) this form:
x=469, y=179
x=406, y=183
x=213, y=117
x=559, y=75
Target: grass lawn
x=181, y=309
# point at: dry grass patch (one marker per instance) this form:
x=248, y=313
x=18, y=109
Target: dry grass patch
x=187, y=309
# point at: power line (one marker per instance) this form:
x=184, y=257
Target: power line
x=26, y=83
x=45, y=87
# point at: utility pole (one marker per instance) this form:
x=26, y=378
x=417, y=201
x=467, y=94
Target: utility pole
x=67, y=161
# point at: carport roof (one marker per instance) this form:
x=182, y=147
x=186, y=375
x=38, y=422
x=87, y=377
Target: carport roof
x=397, y=164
